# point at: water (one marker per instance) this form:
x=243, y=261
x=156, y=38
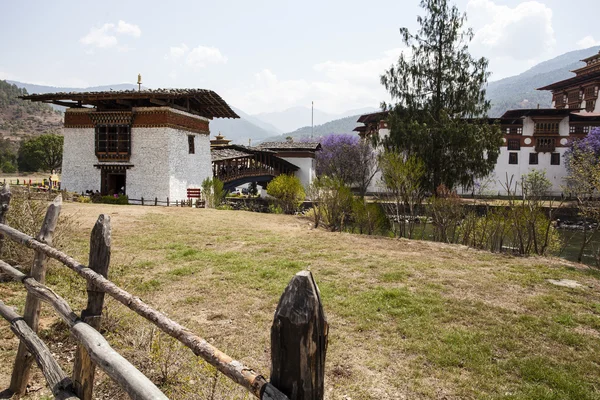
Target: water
x=572, y=240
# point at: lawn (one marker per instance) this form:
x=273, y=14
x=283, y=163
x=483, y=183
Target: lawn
x=408, y=319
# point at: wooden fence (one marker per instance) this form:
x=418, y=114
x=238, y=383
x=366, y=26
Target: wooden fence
x=298, y=334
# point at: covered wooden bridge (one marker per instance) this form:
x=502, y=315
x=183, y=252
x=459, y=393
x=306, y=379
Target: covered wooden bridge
x=237, y=165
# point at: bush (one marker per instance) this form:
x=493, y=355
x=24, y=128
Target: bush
x=120, y=199
x=27, y=216
x=335, y=200
x=288, y=191
x=213, y=192
x=369, y=218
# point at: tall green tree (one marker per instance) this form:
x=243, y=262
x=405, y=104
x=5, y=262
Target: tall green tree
x=439, y=93
x=41, y=153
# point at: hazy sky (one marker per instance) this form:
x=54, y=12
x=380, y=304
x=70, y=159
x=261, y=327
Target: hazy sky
x=264, y=56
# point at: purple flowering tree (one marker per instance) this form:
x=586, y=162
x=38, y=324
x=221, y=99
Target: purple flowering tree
x=347, y=158
x=583, y=182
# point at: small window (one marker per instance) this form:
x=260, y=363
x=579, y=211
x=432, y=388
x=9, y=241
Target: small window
x=191, y=147
x=519, y=131
x=514, y=144
x=555, y=159
x=533, y=158
x=513, y=158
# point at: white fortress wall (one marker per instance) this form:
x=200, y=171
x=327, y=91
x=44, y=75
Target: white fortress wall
x=79, y=157
x=187, y=170
x=149, y=176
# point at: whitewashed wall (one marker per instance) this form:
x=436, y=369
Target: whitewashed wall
x=187, y=170
x=306, y=165
x=149, y=176
x=79, y=157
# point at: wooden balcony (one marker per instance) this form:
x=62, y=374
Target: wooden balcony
x=545, y=144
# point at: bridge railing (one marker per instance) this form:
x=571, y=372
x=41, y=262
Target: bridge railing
x=299, y=331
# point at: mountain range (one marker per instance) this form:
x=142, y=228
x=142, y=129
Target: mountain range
x=514, y=92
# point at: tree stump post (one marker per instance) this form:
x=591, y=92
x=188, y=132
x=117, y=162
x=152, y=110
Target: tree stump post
x=84, y=369
x=156, y=201
x=31, y=312
x=142, y=201
x=4, y=203
x=299, y=340
x=167, y=202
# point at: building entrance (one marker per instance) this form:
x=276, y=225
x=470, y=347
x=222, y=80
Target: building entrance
x=114, y=182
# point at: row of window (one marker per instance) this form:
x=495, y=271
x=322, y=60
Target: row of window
x=513, y=158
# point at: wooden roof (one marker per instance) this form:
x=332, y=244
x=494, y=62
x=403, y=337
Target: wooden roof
x=203, y=102
x=537, y=112
x=373, y=117
x=292, y=146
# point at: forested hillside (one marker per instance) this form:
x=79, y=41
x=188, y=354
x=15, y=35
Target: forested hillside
x=520, y=91
x=20, y=120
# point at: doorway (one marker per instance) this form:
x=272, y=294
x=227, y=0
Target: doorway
x=113, y=182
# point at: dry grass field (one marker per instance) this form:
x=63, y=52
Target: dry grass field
x=408, y=319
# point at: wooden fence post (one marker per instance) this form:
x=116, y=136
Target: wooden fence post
x=299, y=340
x=142, y=201
x=167, y=202
x=4, y=203
x=83, y=369
x=31, y=312
x=156, y=201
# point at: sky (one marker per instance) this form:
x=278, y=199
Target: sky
x=267, y=56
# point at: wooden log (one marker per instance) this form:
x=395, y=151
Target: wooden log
x=132, y=381
x=99, y=260
x=5, y=196
x=57, y=379
x=299, y=340
x=31, y=312
x=231, y=368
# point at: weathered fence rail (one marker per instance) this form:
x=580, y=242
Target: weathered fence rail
x=298, y=335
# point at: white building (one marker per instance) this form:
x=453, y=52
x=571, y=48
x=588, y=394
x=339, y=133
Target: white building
x=147, y=144
x=534, y=138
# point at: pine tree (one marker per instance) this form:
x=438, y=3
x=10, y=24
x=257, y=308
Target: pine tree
x=440, y=106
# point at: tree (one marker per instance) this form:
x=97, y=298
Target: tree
x=42, y=153
x=288, y=191
x=347, y=158
x=583, y=182
x=401, y=176
x=439, y=95
x=213, y=192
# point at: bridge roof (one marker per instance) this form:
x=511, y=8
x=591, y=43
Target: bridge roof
x=226, y=153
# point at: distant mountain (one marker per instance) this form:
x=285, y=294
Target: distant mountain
x=520, y=91
x=338, y=127
x=238, y=130
x=296, y=117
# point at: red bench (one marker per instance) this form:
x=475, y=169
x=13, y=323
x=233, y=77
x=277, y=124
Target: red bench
x=196, y=194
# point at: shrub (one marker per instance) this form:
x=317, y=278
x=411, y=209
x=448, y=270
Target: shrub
x=213, y=192
x=288, y=192
x=335, y=202
x=369, y=218
x=120, y=199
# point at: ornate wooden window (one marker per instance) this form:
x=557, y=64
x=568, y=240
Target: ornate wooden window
x=555, y=159
x=191, y=147
x=513, y=158
x=513, y=130
x=545, y=127
x=590, y=105
x=579, y=129
x=533, y=158
x=591, y=92
x=113, y=142
x=545, y=144
x=514, y=144
x=574, y=96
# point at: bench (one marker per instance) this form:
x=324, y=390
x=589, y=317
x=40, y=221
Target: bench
x=196, y=194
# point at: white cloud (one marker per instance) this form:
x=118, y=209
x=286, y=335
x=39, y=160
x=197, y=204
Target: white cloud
x=364, y=71
x=343, y=85
x=524, y=32
x=100, y=37
x=198, y=57
x=106, y=35
x=128, y=29
x=201, y=56
x=176, y=52
x=587, y=42
x=512, y=39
